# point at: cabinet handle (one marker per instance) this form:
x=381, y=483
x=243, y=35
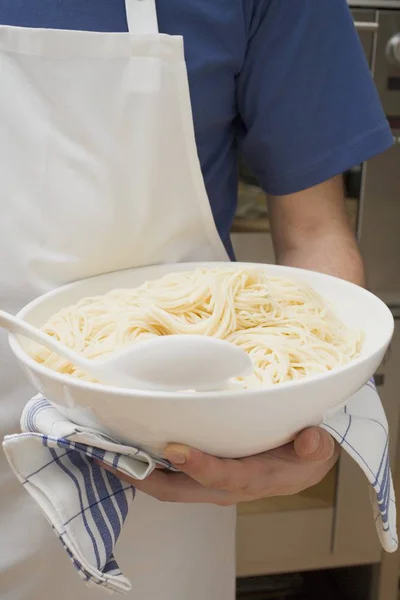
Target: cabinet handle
x=366, y=26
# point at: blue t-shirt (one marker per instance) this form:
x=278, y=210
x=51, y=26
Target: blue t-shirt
x=286, y=82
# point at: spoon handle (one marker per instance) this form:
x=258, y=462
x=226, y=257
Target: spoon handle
x=19, y=327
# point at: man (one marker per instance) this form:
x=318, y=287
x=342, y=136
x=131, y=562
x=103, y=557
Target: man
x=288, y=84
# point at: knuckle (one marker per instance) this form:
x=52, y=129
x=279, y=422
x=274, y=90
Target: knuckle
x=242, y=487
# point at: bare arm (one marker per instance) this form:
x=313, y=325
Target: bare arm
x=311, y=229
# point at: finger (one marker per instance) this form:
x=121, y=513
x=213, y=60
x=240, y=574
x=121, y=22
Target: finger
x=209, y=471
x=170, y=487
x=178, y=487
x=314, y=444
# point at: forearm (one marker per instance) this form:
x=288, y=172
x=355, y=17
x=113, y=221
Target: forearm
x=327, y=254
x=311, y=230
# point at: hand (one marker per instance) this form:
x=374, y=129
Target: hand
x=206, y=479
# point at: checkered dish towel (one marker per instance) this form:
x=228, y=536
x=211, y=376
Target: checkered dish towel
x=87, y=506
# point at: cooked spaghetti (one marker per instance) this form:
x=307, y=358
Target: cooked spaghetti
x=288, y=330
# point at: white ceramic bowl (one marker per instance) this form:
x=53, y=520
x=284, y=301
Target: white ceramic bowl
x=226, y=424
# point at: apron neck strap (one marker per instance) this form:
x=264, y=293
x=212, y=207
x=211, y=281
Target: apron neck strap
x=141, y=16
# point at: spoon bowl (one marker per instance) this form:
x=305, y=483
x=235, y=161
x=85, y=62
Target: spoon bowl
x=165, y=363
x=179, y=362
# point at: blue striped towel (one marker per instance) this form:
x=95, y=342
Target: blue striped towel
x=87, y=506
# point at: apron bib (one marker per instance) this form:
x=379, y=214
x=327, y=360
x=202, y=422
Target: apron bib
x=99, y=172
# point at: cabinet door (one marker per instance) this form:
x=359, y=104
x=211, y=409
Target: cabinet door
x=286, y=534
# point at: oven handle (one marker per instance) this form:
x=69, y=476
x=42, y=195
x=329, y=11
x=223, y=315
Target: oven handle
x=366, y=25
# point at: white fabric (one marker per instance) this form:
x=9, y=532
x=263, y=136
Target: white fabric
x=361, y=428
x=99, y=172
x=87, y=507
x=142, y=16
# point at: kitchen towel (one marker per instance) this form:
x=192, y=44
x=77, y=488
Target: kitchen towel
x=87, y=506
x=361, y=428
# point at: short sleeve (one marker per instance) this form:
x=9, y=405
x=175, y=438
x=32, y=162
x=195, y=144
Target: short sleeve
x=307, y=103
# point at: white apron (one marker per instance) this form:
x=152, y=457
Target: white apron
x=99, y=172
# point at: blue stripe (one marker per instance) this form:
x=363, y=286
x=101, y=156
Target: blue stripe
x=78, y=489
x=84, y=448
x=111, y=566
x=80, y=462
x=384, y=482
x=347, y=430
x=81, y=512
x=384, y=505
x=33, y=412
x=121, y=499
x=98, y=453
x=383, y=458
x=380, y=425
x=107, y=502
x=116, y=484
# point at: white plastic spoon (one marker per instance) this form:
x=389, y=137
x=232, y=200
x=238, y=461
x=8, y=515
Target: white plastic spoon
x=165, y=363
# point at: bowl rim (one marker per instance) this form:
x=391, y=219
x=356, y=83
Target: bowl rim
x=69, y=381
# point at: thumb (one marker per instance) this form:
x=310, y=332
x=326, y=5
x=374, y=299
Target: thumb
x=314, y=444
